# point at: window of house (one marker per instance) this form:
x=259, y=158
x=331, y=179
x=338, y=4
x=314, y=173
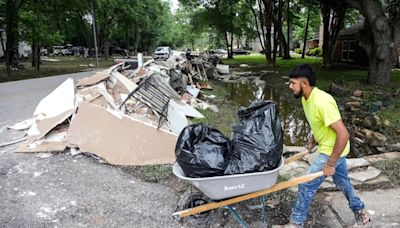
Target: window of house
x=348, y=53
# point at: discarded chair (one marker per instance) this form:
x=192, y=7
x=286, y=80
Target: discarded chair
x=151, y=96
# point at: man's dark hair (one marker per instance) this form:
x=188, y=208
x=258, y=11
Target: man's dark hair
x=304, y=71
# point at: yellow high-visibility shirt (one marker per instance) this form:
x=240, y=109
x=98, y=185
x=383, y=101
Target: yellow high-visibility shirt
x=321, y=111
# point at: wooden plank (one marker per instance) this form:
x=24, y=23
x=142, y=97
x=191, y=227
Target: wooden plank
x=274, y=188
x=296, y=156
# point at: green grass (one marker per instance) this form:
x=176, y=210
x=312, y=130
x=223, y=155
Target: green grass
x=392, y=114
x=156, y=173
x=150, y=173
x=351, y=78
x=65, y=65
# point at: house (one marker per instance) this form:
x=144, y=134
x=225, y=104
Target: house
x=24, y=49
x=348, y=51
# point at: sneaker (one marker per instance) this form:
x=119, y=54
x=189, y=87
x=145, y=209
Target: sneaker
x=362, y=217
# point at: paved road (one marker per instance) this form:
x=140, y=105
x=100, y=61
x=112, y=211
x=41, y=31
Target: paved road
x=18, y=99
x=61, y=190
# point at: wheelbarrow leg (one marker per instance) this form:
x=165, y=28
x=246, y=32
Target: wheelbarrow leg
x=237, y=216
x=263, y=210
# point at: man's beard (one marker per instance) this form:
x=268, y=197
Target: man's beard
x=300, y=94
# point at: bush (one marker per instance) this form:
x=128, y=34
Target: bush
x=315, y=52
x=298, y=50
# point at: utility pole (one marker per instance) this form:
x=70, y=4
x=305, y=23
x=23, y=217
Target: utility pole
x=94, y=36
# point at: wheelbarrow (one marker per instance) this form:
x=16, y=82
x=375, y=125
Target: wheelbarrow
x=227, y=190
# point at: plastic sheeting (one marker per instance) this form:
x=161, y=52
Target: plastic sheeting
x=257, y=143
x=201, y=151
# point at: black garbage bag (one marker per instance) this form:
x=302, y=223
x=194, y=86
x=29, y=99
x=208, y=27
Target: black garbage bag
x=201, y=151
x=257, y=141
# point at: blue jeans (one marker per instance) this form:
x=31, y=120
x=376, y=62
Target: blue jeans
x=307, y=190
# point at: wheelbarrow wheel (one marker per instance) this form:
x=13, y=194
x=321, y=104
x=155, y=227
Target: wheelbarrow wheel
x=193, y=198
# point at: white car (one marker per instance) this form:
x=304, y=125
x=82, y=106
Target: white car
x=57, y=50
x=162, y=53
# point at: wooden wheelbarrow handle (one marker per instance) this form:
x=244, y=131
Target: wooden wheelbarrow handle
x=300, y=155
x=274, y=188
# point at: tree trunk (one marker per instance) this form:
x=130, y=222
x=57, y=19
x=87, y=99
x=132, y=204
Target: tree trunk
x=326, y=15
x=38, y=56
x=2, y=42
x=287, y=52
x=228, y=49
x=258, y=28
x=275, y=47
x=305, y=34
x=106, y=48
x=380, y=46
x=34, y=56
x=12, y=19
x=279, y=36
x=284, y=46
x=333, y=14
x=231, y=45
x=396, y=37
x=267, y=15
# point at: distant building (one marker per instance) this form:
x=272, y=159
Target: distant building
x=24, y=49
x=347, y=49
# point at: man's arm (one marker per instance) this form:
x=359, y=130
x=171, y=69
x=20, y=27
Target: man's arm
x=311, y=142
x=342, y=137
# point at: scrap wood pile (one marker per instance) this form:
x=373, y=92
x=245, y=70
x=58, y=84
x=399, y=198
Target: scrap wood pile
x=126, y=117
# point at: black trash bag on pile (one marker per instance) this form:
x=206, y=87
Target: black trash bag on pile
x=201, y=151
x=257, y=142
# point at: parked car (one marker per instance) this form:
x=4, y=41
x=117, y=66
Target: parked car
x=240, y=51
x=162, y=52
x=57, y=50
x=117, y=50
x=220, y=51
x=66, y=51
x=44, y=52
x=78, y=50
x=217, y=52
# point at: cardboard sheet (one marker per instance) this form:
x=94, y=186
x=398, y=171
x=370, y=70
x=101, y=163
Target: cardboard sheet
x=58, y=101
x=54, y=109
x=44, y=126
x=52, y=142
x=186, y=109
x=122, y=141
x=222, y=69
x=22, y=125
x=129, y=85
x=98, y=77
x=176, y=119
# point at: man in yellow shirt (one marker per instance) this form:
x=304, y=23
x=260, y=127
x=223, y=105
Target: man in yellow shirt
x=332, y=137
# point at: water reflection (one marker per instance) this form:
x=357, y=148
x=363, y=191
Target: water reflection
x=294, y=123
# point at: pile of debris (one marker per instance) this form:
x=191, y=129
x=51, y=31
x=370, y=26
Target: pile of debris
x=122, y=115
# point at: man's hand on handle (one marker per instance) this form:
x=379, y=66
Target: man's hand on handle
x=328, y=171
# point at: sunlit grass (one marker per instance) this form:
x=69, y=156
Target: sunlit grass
x=64, y=65
x=352, y=78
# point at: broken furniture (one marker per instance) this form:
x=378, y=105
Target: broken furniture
x=151, y=96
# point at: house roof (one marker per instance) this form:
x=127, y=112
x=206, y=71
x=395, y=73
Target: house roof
x=350, y=31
